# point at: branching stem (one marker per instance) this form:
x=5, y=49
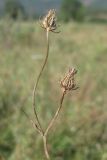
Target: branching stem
x=37, y=82
x=50, y=126
x=56, y=114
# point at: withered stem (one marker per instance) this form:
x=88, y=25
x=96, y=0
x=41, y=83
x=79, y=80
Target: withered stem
x=37, y=82
x=56, y=114
x=50, y=125
x=32, y=122
x=45, y=148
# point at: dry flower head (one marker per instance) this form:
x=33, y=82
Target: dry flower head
x=49, y=21
x=68, y=82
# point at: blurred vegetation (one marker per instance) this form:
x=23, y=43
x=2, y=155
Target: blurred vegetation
x=72, y=10
x=69, y=10
x=81, y=131
x=14, y=9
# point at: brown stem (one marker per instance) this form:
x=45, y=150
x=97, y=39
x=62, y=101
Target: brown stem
x=56, y=114
x=32, y=122
x=37, y=81
x=45, y=148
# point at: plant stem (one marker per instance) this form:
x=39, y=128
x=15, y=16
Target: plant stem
x=45, y=148
x=50, y=125
x=56, y=114
x=37, y=82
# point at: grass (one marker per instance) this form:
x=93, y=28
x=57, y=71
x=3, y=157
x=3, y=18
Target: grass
x=82, y=131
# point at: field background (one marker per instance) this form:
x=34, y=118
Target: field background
x=80, y=132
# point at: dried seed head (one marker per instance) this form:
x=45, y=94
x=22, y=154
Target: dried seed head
x=49, y=21
x=68, y=82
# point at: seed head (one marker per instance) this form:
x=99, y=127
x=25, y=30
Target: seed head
x=49, y=21
x=68, y=82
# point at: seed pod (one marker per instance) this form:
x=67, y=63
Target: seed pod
x=68, y=82
x=49, y=21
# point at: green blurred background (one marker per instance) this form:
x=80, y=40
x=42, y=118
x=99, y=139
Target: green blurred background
x=80, y=132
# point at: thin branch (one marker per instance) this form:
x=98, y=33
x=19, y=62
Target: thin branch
x=51, y=124
x=32, y=122
x=56, y=114
x=36, y=84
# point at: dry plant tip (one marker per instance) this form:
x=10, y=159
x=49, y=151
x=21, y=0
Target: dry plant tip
x=68, y=82
x=49, y=21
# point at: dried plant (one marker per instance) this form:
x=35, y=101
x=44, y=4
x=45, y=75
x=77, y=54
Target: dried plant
x=67, y=83
x=49, y=21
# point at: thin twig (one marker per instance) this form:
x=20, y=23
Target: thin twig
x=32, y=122
x=50, y=125
x=56, y=114
x=36, y=84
